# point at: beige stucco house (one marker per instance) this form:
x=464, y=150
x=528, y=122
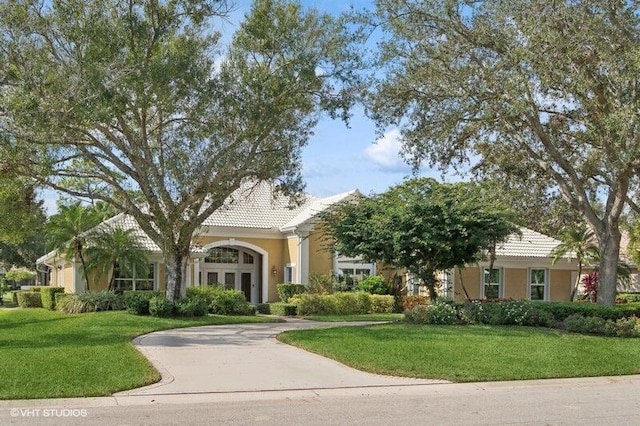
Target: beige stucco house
x=258, y=240
x=254, y=242
x=523, y=269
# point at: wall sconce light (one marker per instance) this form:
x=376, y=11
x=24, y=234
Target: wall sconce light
x=59, y=267
x=274, y=270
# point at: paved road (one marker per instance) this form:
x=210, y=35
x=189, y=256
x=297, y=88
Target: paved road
x=240, y=375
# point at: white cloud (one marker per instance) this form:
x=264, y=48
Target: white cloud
x=385, y=152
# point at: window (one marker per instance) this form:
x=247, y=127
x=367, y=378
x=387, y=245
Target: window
x=229, y=280
x=212, y=278
x=288, y=274
x=492, y=288
x=123, y=281
x=537, y=284
x=363, y=272
x=247, y=259
x=222, y=255
x=346, y=271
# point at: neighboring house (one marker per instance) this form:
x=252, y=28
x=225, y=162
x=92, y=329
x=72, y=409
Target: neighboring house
x=522, y=270
x=254, y=242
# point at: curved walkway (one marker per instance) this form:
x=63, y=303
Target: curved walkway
x=247, y=358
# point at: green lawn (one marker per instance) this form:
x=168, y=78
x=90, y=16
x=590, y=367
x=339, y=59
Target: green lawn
x=356, y=317
x=48, y=354
x=471, y=353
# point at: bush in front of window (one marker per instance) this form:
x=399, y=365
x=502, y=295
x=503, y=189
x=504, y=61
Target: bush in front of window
x=231, y=302
x=137, y=302
x=29, y=299
x=91, y=301
x=287, y=291
x=192, y=307
x=374, y=284
x=160, y=306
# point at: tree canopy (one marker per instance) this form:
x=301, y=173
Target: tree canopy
x=552, y=86
x=136, y=103
x=422, y=226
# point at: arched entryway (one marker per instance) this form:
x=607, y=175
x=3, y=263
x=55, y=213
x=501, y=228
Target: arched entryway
x=236, y=265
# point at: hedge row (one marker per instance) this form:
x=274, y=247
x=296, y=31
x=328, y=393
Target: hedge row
x=573, y=317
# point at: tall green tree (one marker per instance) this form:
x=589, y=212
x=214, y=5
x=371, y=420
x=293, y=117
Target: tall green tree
x=109, y=248
x=69, y=230
x=551, y=85
x=169, y=121
x=578, y=242
x=422, y=226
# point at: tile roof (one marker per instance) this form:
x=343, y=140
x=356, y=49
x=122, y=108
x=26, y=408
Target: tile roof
x=529, y=244
x=256, y=207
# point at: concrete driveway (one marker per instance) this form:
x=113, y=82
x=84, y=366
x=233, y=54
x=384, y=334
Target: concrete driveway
x=247, y=358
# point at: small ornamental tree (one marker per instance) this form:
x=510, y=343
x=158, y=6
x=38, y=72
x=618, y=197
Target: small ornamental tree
x=590, y=283
x=420, y=225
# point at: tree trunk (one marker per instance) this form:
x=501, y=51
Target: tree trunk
x=175, y=262
x=430, y=280
x=574, y=290
x=609, y=248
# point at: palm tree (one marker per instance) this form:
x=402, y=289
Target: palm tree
x=114, y=247
x=576, y=242
x=67, y=231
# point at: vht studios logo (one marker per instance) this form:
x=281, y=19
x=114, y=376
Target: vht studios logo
x=48, y=412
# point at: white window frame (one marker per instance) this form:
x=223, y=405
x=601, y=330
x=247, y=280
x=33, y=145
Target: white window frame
x=500, y=282
x=289, y=277
x=546, y=282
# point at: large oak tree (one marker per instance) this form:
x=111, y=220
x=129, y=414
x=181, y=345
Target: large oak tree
x=550, y=85
x=138, y=99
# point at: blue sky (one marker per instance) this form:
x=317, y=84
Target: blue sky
x=337, y=158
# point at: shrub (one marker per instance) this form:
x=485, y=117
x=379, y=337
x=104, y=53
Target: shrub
x=48, y=296
x=36, y=289
x=312, y=303
x=347, y=303
x=381, y=304
x=590, y=284
x=580, y=324
x=410, y=302
x=137, y=302
x=624, y=327
x=230, y=302
x=321, y=284
x=374, y=284
x=29, y=299
x=192, y=307
x=59, y=297
x=562, y=310
x=629, y=297
x=264, y=308
x=284, y=309
x=14, y=296
x=287, y=291
x=90, y=302
x=435, y=313
x=160, y=306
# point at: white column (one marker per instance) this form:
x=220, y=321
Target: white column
x=303, y=264
x=196, y=272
